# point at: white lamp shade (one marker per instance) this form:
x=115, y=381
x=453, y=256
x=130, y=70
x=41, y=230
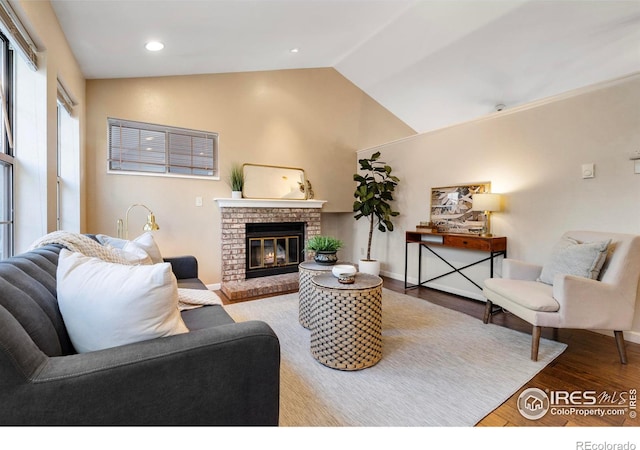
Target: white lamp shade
x=486, y=202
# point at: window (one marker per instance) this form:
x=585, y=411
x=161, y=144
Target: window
x=6, y=149
x=143, y=148
x=68, y=176
x=68, y=157
x=59, y=157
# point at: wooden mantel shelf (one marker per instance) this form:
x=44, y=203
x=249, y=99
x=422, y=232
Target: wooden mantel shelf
x=267, y=203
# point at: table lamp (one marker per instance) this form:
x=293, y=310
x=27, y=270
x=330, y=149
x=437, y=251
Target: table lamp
x=487, y=203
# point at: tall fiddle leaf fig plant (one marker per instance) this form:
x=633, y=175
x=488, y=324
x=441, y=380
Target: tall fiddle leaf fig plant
x=373, y=194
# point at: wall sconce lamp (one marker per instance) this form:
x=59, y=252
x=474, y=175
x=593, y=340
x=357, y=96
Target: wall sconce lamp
x=123, y=227
x=487, y=203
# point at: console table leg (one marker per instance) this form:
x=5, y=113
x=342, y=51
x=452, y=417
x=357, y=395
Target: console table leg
x=487, y=311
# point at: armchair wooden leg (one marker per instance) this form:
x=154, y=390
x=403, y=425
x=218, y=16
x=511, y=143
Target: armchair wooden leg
x=487, y=312
x=622, y=350
x=535, y=342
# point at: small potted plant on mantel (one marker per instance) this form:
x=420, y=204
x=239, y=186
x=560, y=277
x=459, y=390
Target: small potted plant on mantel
x=325, y=248
x=373, y=194
x=236, y=180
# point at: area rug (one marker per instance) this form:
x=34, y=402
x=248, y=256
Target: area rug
x=439, y=367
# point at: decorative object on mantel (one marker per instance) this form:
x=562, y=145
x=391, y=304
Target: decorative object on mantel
x=306, y=188
x=451, y=208
x=373, y=194
x=325, y=248
x=487, y=203
x=123, y=227
x=236, y=180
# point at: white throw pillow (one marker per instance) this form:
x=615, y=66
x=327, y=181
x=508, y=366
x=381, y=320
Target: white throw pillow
x=571, y=257
x=144, y=242
x=106, y=304
x=148, y=244
x=112, y=241
x=132, y=253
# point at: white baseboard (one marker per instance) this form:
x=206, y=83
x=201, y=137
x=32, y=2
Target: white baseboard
x=214, y=286
x=629, y=336
x=437, y=286
x=632, y=336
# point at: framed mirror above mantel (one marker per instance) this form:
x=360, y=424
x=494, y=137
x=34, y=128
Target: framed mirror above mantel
x=274, y=182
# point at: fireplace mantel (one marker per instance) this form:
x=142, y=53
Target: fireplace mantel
x=267, y=203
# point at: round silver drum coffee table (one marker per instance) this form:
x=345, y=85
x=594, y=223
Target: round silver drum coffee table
x=307, y=270
x=346, y=322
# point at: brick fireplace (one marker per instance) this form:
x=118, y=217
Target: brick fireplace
x=235, y=215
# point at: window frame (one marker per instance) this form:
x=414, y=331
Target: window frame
x=58, y=166
x=7, y=153
x=168, y=132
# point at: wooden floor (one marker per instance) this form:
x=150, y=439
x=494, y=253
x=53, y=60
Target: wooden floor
x=590, y=363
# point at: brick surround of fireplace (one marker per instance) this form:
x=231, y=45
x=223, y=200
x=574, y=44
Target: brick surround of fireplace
x=235, y=214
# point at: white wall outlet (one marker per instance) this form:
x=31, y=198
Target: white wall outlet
x=198, y=201
x=636, y=166
x=588, y=170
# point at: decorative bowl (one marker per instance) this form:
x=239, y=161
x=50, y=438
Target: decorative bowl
x=346, y=279
x=344, y=270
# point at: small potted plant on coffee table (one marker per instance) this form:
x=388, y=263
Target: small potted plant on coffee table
x=325, y=248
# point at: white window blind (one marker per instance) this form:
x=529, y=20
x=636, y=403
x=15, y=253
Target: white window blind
x=144, y=148
x=17, y=33
x=65, y=98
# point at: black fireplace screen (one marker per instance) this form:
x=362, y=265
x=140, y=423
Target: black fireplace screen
x=274, y=248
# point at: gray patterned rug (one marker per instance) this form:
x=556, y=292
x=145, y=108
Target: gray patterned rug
x=439, y=367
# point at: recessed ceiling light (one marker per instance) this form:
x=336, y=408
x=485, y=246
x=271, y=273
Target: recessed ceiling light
x=154, y=46
x=294, y=50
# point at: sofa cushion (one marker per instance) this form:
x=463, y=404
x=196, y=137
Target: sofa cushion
x=206, y=317
x=571, y=257
x=106, y=304
x=191, y=283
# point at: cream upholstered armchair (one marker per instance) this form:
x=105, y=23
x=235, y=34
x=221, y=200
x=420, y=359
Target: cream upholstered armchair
x=590, y=282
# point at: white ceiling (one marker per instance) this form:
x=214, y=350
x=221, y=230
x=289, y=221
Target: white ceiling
x=431, y=63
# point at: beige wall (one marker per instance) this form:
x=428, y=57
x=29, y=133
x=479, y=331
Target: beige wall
x=314, y=119
x=533, y=155
x=36, y=125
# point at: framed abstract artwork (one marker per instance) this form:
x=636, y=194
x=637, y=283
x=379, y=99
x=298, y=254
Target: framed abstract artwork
x=451, y=207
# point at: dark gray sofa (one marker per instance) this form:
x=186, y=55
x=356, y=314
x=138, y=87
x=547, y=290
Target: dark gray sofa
x=220, y=373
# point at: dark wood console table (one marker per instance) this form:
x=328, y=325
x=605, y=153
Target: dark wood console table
x=494, y=246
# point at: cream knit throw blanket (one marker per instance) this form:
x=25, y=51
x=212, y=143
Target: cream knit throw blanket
x=82, y=244
x=187, y=298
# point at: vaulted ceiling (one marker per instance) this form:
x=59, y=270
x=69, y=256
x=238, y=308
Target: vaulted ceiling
x=432, y=63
